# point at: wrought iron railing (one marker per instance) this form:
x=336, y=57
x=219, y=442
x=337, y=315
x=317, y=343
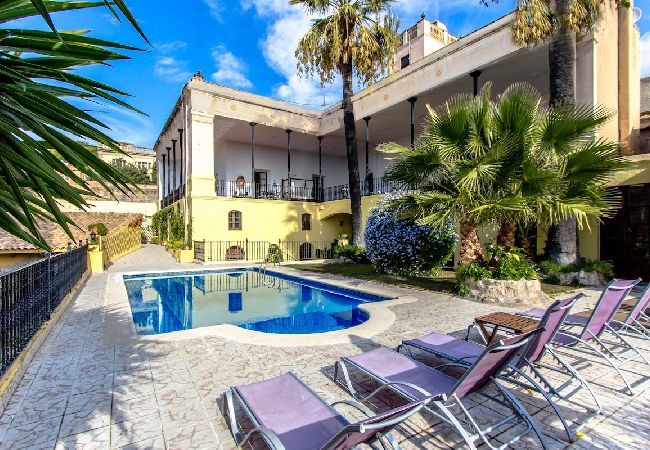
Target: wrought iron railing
x=174, y=196
x=30, y=294
x=257, y=251
x=303, y=190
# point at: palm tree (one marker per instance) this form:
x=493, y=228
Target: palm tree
x=455, y=164
x=355, y=37
x=42, y=161
x=558, y=22
x=508, y=162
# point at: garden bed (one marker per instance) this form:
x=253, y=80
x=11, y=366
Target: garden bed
x=445, y=281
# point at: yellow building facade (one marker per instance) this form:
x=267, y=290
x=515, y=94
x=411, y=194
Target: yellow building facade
x=223, y=151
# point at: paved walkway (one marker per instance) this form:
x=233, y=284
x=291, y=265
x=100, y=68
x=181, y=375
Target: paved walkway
x=80, y=392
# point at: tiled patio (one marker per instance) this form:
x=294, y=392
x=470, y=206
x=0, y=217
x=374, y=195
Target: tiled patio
x=80, y=392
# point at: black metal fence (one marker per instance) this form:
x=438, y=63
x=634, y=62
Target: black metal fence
x=255, y=251
x=30, y=294
x=303, y=190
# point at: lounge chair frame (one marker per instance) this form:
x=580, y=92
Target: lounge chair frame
x=440, y=405
x=384, y=438
x=529, y=371
x=594, y=343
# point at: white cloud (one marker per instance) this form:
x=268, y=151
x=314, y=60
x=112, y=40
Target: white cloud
x=287, y=24
x=644, y=54
x=215, y=8
x=168, y=66
x=231, y=71
x=126, y=125
x=171, y=69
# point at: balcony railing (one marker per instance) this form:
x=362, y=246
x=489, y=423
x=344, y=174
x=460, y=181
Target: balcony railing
x=174, y=196
x=302, y=190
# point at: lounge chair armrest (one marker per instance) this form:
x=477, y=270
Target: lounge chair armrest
x=267, y=434
x=442, y=367
x=355, y=405
x=425, y=393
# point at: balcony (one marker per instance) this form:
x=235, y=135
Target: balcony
x=303, y=190
x=174, y=196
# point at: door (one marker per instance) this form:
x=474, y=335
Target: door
x=261, y=184
x=317, y=187
x=625, y=238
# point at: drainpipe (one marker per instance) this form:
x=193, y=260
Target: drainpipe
x=412, y=101
x=252, y=124
x=321, y=188
x=475, y=75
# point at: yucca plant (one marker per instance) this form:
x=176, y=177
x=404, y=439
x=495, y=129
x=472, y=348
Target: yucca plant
x=355, y=37
x=43, y=159
x=508, y=162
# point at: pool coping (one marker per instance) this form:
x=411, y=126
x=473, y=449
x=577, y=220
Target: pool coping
x=118, y=327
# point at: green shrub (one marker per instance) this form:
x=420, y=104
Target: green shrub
x=275, y=255
x=102, y=230
x=351, y=252
x=549, y=270
x=155, y=240
x=501, y=263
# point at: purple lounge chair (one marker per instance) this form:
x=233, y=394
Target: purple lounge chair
x=287, y=414
x=527, y=365
x=399, y=373
x=631, y=321
x=590, y=336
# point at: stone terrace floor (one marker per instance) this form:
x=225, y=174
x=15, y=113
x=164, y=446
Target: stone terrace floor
x=80, y=392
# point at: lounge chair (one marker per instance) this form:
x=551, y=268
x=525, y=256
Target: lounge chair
x=631, y=320
x=592, y=329
x=287, y=414
x=524, y=370
x=392, y=369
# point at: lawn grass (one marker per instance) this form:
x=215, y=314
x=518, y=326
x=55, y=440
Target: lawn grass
x=443, y=282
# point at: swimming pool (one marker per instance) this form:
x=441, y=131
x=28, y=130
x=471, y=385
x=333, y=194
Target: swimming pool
x=269, y=302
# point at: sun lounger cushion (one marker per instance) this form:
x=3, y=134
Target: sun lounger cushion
x=449, y=347
x=393, y=366
x=298, y=417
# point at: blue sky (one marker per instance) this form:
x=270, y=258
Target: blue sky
x=246, y=44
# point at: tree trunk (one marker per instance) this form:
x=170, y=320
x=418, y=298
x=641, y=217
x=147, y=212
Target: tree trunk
x=563, y=242
x=352, y=155
x=470, y=247
x=563, y=237
x=507, y=233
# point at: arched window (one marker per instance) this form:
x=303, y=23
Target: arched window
x=306, y=222
x=234, y=220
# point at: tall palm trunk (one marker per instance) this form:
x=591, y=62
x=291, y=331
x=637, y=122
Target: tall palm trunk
x=507, y=233
x=352, y=154
x=563, y=237
x=470, y=246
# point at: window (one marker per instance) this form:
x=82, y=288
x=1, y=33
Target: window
x=234, y=220
x=306, y=222
x=406, y=60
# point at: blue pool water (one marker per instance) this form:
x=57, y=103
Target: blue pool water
x=271, y=302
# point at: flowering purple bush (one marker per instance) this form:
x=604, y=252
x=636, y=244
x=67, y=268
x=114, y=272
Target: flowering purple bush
x=402, y=247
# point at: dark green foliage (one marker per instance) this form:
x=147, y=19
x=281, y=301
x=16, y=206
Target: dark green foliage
x=549, y=270
x=501, y=263
x=102, y=230
x=352, y=253
x=168, y=224
x=132, y=172
x=42, y=162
